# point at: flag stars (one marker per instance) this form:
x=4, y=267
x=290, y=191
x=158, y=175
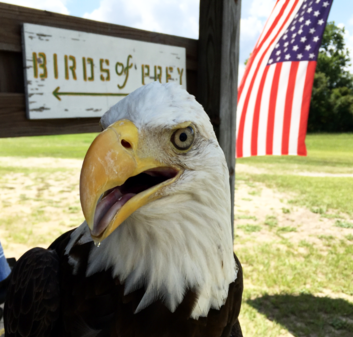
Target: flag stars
x=316, y=39
x=326, y=4
x=277, y=45
x=270, y=61
x=292, y=41
x=303, y=39
x=278, y=58
x=310, y=10
x=312, y=30
x=278, y=53
x=292, y=28
x=301, y=19
x=308, y=47
x=287, y=57
x=294, y=35
x=321, y=22
x=285, y=37
x=300, y=56
x=317, y=13
x=300, y=31
x=312, y=56
x=286, y=44
x=295, y=48
x=308, y=22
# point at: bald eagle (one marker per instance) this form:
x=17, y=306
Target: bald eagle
x=155, y=254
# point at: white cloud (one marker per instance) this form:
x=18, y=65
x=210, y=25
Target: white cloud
x=262, y=8
x=241, y=71
x=348, y=37
x=254, y=16
x=251, y=28
x=176, y=17
x=49, y=5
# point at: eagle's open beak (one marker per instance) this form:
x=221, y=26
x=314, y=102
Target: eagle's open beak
x=115, y=181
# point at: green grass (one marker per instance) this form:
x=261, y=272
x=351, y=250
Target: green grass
x=344, y=224
x=320, y=193
x=283, y=268
x=285, y=280
x=319, y=210
x=271, y=221
x=63, y=146
x=327, y=152
x=283, y=283
x=246, y=217
x=288, y=285
x=248, y=228
x=332, y=216
x=294, y=312
x=286, y=229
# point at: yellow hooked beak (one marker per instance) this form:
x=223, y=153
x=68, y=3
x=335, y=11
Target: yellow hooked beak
x=110, y=161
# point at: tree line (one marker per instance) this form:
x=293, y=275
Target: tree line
x=331, y=108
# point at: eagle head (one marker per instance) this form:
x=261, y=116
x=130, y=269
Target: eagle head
x=154, y=191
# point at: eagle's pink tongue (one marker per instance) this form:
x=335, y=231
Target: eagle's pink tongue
x=107, y=208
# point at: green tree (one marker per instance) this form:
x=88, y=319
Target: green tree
x=331, y=108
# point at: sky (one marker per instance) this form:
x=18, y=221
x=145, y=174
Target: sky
x=180, y=17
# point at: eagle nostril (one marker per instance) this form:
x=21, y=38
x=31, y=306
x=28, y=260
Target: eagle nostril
x=126, y=144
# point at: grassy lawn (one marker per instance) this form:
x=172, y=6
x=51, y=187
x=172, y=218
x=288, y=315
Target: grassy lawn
x=326, y=153
x=300, y=288
x=63, y=146
x=298, y=282
x=322, y=193
x=304, y=289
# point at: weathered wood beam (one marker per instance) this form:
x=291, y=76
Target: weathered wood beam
x=13, y=122
x=218, y=57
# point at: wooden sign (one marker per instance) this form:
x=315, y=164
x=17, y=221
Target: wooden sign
x=72, y=74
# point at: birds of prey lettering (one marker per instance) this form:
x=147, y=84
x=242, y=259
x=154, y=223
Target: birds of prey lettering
x=155, y=254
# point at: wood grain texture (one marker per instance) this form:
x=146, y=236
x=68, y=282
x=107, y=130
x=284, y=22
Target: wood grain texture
x=12, y=18
x=229, y=86
x=209, y=59
x=218, y=72
x=13, y=122
x=11, y=70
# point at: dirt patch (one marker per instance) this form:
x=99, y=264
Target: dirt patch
x=37, y=207
x=40, y=162
x=275, y=218
x=243, y=168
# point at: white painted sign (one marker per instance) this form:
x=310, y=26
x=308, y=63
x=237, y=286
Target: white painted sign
x=71, y=74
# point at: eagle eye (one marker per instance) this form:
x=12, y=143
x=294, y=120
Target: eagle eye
x=183, y=138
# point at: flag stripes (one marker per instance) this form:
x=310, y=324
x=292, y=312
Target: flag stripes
x=252, y=81
x=274, y=97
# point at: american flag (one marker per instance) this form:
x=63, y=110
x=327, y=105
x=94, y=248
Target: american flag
x=275, y=91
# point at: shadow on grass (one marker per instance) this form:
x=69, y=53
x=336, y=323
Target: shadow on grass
x=307, y=315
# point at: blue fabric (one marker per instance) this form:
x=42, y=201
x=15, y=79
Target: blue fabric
x=4, y=266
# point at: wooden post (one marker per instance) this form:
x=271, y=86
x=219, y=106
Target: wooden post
x=218, y=57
